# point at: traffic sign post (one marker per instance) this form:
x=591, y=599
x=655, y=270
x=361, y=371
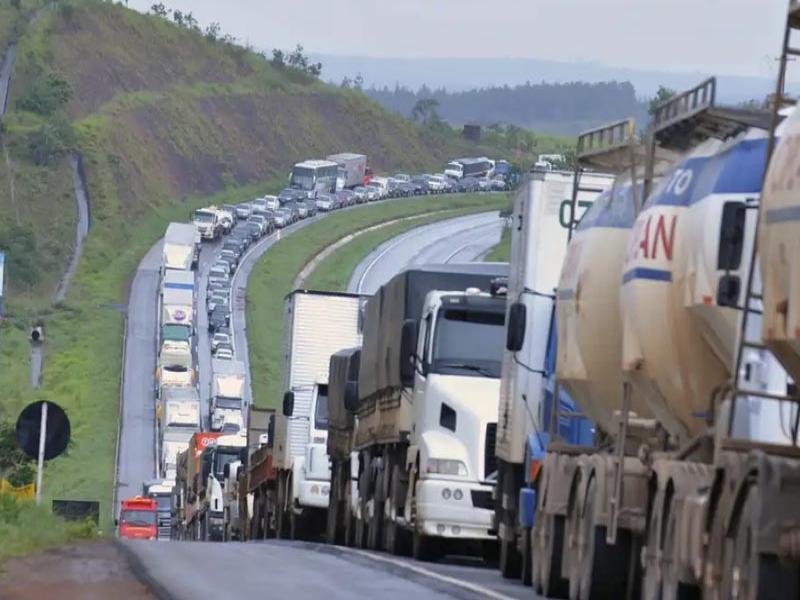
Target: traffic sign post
x=43, y=432
x=40, y=461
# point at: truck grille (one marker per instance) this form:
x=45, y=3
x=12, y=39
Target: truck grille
x=482, y=499
x=489, y=458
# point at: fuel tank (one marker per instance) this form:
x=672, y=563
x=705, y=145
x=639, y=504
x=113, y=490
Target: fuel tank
x=685, y=272
x=588, y=308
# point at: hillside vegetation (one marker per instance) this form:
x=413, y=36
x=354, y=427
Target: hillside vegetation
x=166, y=119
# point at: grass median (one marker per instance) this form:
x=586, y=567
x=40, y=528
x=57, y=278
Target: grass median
x=274, y=274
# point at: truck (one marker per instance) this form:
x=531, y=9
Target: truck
x=426, y=409
x=181, y=251
x=312, y=177
x=177, y=299
x=239, y=488
x=352, y=168
x=185, y=499
x=290, y=478
x=160, y=490
x=226, y=404
x=215, y=462
x=469, y=167
x=684, y=490
x=543, y=214
x=178, y=412
x=138, y=519
x=207, y=222
x=174, y=353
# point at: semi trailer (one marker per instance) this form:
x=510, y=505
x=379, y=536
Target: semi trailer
x=543, y=214
x=425, y=404
x=226, y=405
x=181, y=251
x=352, y=168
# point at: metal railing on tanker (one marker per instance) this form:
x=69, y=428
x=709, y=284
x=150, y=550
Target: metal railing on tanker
x=753, y=302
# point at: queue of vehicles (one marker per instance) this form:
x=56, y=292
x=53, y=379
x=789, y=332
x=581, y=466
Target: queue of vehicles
x=617, y=418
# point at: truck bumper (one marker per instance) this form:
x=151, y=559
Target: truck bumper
x=314, y=493
x=216, y=523
x=455, y=509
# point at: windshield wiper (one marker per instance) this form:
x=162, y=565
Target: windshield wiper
x=483, y=371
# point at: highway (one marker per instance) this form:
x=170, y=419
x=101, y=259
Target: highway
x=310, y=570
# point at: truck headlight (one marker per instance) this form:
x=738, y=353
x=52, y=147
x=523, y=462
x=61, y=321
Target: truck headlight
x=446, y=466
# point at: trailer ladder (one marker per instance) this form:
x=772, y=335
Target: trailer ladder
x=753, y=294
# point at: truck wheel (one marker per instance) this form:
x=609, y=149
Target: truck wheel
x=394, y=537
x=374, y=537
x=280, y=513
x=509, y=555
x=424, y=548
x=332, y=518
x=549, y=557
x=525, y=559
x=349, y=524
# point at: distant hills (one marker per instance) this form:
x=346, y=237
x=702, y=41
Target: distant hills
x=461, y=74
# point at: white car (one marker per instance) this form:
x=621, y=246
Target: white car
x=272, y=202
x=437, y=184
x=324, y=203
x=219, y=338
x=224, y=354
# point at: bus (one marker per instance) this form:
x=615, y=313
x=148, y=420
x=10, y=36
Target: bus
x=138, y=519
x=314, y=177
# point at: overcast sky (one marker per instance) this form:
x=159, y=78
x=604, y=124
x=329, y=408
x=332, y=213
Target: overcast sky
x=720, y=36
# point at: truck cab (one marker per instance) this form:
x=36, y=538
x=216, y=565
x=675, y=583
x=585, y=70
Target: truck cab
x=160, y=490
x=138, y=518
x=207, y=222
x=312, y=471
x=455, y=369
x=228, y=449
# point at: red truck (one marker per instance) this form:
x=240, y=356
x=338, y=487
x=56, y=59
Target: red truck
x=138, y=519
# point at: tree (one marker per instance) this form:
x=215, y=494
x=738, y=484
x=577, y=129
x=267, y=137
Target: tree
x=212, y=31
x=297, y=59
x=358, y=82
x=177, y=16
x=425, y=110
x=662, y=95
x=278, y=58
x=159, y=10
x=14, y=463
x=346, y=82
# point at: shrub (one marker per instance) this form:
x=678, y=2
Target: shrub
x=46, y=95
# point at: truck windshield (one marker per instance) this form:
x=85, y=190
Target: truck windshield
x=221, y=459
x=321, y=410
x=225, y=402
x=303, y=178
x=203, y=217
x=468, y=342
x=138, y=518
x=163, y=502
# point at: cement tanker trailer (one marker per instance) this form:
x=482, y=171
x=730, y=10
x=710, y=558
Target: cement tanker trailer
x=647, y=510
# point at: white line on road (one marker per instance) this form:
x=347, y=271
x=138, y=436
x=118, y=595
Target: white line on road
x=477, y=589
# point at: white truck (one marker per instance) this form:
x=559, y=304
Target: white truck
x=352, y=168
x=215, y=461
x=181, y=250
x=541, y=218
x=160, y=490
x=226, y=405
x=178, y=419
x=177, y=305
x=175, y=353
x=316, y=324
x=426, y=408
x=207, y=222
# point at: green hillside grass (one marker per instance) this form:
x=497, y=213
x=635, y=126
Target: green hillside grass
x=502, y=251
x=274, y=274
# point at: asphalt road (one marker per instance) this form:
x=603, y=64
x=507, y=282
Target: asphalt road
x=463, y=239
x=278, y=569
x=136, y=461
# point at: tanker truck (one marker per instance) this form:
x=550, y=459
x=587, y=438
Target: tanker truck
x=428, y=382
x=543, y=214
x=636, y=512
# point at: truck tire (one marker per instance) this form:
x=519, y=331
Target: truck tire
x=332, y=527
x=553, y=585
x=281, y=525
x=394, y=537
x=526, y=558
x=425, y=548
x=510, y=563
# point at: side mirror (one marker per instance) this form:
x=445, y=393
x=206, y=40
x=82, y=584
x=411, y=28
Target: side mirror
x=351, y=396
x=226, y=470
x=116, y=522
x=288, y=404
x=408, y=345
x=515, y=328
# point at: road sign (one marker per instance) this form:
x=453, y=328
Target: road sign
x=43, y=433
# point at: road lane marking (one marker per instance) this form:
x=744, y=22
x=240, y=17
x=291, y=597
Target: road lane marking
x=472, y=587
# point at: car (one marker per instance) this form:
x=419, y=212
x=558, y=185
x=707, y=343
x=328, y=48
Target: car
x=484, y=184
x=421, y=183
x=346, y=197
x=499, y=184
x=362, y=194
x=259, y=203
x=215, y=297
x=282, y=218
x=272, y=202
x=325, y=202
x=222, y=264
x=230, y=260
x=224, y=354
x=234, y=244
x=243, y=210
x=404, y=189
x=212, y=286
x=311, y=206
x=219, y=272
x=468, y=184
x=231, y=209
x=226, y=220
x=261, y=222
x=302, y=209
x=294, y=211
x=218, y=318
x=219, y=338
x=254, y=230
x=402, y=177
x=242, y=235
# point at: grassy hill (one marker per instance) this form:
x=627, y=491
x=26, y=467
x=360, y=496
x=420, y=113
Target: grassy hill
x=166, y=119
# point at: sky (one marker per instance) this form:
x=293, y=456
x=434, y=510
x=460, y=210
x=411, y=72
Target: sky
x=720, y=36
